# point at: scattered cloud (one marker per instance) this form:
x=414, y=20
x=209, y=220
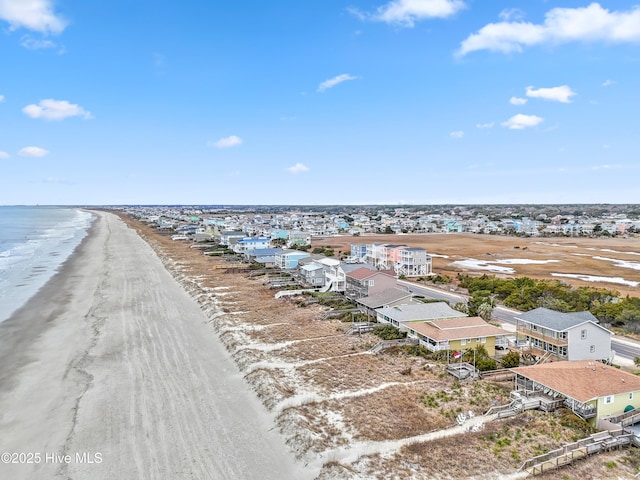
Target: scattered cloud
x=297, y=168
x=1, y=98
x=4, y=155
x=226, y=142
x=517, y=101
x=407, y=12
x=36, y=15
x=50, y=109
x=457, y=134
x=561, y=25
x=31, y=43
x=510, y=14
x=33, y=152
x=562, y=93
x=521, y=121
x=332, y=82
x=608, y=83
x=485, y=125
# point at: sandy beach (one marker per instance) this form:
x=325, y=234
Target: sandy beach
x=113, y=371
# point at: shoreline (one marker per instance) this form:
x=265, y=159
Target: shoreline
x=113, y=357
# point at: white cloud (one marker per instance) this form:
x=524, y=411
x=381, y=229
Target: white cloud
x=517, y=101
x=407, y=12
x=50, y=109
x=4, y=155
x=608, y=83
x=509, y=14
x=32, y=152
x=485, y=125
x=31, y=43
x=227, y=142
x=457, y=134
x=562, y=93
x=332, y=82
x=521, y=121
x=561, y=25
x=1, y=98
x=297, y=168
x=36, y=15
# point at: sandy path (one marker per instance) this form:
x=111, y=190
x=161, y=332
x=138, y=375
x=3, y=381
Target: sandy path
x=128, y=372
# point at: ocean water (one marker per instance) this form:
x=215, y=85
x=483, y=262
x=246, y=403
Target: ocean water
x=34, y=243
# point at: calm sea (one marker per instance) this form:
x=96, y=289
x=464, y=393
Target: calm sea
x=34, y=242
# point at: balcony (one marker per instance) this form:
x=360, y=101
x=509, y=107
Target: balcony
x=558, y=342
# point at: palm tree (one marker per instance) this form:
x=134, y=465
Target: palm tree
x=485, y=311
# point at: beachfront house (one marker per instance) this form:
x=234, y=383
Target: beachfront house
x=263, y=256
x=591, y=389
x=563, y=336
x=363, y=282
x=248, y=244
x=387, y=298
x=455, y=334
x=288, y=259
x=399, y=315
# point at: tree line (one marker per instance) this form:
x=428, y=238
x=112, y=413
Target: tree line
x=526, y=293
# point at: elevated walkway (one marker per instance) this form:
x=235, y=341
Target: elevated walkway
x=597, y=443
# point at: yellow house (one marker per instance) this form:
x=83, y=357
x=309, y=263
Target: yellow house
x=455, y=334
x=591, y=389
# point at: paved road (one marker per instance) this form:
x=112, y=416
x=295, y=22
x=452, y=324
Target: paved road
x=623, y=348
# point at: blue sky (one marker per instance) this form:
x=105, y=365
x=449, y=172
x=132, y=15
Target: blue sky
x=319, y=102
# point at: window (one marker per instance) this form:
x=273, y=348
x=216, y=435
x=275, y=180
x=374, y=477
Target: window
x=483, y=339
x=631, y=396
x=592, y=349
x=371, y=283
x=583, y=334
x=463, y=341
x=608, y=399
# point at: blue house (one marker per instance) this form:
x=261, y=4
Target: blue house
x=288, y=259
x=358, y=250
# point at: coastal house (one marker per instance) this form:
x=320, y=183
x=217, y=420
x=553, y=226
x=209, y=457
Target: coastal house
x=363, y=282
x=386, y=298
x=412, y=262
x=263, y=256
x=288, y=259
x=564, y=336
x=591, y=389
x=398, y=316
x=456, y=334
x=247, y=244
x=230, y=237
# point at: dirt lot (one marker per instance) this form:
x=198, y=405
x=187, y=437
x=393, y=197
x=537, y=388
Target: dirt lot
x=617, y=258
x=349, y=413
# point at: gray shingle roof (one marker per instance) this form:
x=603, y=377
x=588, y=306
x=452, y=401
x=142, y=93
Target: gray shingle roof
x=384, y=298
x=557, y=321
x=425, y=311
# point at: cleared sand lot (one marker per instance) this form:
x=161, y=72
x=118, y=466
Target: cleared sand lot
x=113, y=357
x=615, y=260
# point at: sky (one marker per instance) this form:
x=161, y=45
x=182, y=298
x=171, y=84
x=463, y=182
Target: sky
x=319, y=102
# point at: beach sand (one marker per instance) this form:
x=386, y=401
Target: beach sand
x=113, y=364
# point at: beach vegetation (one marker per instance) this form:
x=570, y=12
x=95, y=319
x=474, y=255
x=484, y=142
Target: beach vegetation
x=388, y=332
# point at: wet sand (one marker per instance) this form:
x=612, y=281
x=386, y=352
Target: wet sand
x=113, y=371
